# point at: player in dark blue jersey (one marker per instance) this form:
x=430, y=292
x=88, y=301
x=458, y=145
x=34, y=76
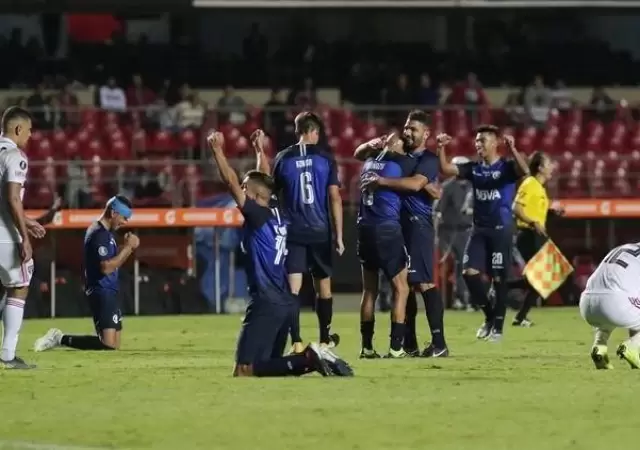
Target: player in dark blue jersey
x=489, y=249
x=419, y=190
x=381, y=244
x=102, y=261
x=306, y=178
x=267, y=319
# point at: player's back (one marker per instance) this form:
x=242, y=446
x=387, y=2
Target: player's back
x=99, y=245
x=264, y=242
x=13, y=169
x=619, y=271
x=380, y=207
x=303, y=174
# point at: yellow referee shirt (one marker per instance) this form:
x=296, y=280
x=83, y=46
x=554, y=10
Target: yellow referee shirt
x=532, y=197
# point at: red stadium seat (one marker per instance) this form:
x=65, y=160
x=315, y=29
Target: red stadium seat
x=161, y=142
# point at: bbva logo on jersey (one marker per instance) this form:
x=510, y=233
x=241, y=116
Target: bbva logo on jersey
x=487, y=194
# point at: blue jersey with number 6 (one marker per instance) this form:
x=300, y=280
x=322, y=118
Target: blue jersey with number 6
x=382, y=206
x=264, y=242
x=303, y=174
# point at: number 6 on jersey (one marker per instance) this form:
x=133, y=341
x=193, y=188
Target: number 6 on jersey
x=306, y=187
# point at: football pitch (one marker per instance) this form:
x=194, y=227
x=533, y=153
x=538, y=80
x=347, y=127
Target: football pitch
x=171, y=388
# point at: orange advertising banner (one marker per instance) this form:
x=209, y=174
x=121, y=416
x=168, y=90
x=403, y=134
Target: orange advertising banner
x=231, y=217
x=150, y=218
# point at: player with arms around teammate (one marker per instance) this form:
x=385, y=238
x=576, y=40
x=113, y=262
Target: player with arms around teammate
x=102, y=261
x=611, y=300
x=489, y=248
x=418, y=194
x=16, y=263
x=381, y=245
x=267, y=319
x=306, y=178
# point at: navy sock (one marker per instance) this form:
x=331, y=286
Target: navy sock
x=410, y=338
x=478, y=293
x=397, y=336
x=435, y=316
x=292, y=365
x=324, y=311
x=500, y=309
x=527, y=304
x=294, y=329
x=84, y=342
x=366, y=331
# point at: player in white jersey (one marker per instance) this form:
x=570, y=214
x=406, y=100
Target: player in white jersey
x=611, y=300
x=16, y=262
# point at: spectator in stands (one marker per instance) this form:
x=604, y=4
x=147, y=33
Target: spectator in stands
x=232, y=108
x=148, y=185
x=112, y=97
x=468, y=93
x=274, y=112
x=399, y=97
x=190, y=110
x=561, y=97
x=428, y=95
x=38, y=106
x=514, y=108
x=69, y=106
x=56, y=117
x=306, y=97
x=78, y=191
x=139, y=95
x=602, y=106
x=537, y=101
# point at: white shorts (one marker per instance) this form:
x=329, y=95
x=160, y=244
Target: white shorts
x=14, y=273
x=611, y=310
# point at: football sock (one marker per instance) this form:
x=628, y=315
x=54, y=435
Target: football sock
x=84, y=343
x=292, y=365
x=479, y=295
x=397, y=336
x=366, y=332
x=601, y=337
x=528, y=302
x=435, y=316
x=410, y=338
x=500, y=309
x=12, y=322
x=294, y=330
x=324, y=311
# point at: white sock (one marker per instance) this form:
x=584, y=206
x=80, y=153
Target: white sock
x=12, y=321
x=602, y=337
x=634, y=340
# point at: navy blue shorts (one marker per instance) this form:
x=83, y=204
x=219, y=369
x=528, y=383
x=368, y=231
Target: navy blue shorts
x=490, y=251
x=264, y=332
x=316, y=258
x=382, y=248
x=419, y=236
x=105, y=309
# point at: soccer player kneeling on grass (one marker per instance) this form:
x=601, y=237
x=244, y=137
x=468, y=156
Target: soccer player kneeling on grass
x=611, y=300
x=102, y=261
x=268, y=317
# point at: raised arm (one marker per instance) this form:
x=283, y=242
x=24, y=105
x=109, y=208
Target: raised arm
x=227, y=174
x=522, y=166
x=447, y=168
x=369, y=149
x=262, y=160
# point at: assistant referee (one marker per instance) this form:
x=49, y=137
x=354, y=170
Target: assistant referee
x=531, y=207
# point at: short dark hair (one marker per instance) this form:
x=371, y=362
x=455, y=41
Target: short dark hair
x=488, y=129
x=419, y=116
x=306, y=122
x=12, y=113
x=535, y=162
x=262, y=178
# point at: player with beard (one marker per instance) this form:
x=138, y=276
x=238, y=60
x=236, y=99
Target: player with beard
x=418, y=194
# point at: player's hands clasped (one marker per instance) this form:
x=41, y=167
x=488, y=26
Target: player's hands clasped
x=257, y=140
x=443, y=139
x=215, y=140
x=132, y=241
x=26, y=251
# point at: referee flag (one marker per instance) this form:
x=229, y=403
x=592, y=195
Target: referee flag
x=547, y=270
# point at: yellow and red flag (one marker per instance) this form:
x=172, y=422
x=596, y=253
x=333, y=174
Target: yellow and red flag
x=547, y=270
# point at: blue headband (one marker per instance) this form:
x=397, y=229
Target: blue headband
x=119, y=207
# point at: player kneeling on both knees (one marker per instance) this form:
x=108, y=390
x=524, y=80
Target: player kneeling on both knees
x=102, y=261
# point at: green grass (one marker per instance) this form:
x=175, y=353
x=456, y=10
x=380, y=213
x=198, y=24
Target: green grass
x=171, y=388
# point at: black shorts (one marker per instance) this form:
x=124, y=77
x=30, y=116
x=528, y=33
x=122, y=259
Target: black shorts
x=419, y=238
x=316, y=258
x=490, y=251
x=105, y=309
x=382, y=248
x=264, y=332
x=528, y=243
